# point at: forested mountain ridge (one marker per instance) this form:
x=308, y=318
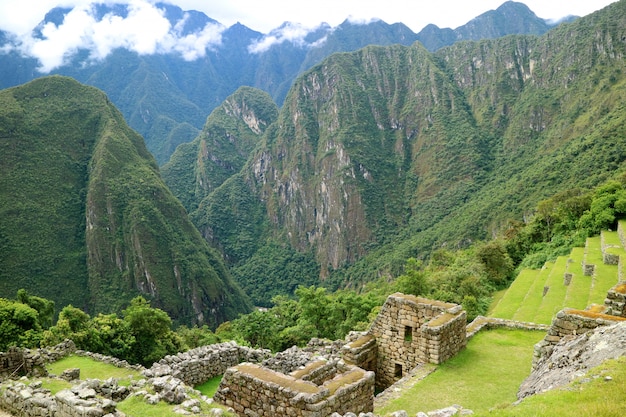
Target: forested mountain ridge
x=388, y=152
x=167, y=99
x=230, y=134
x=85, y=218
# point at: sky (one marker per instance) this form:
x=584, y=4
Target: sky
x=146, y=31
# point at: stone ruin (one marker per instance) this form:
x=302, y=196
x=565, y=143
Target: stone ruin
x=320, y=389
x=407, y=332
x=325, y=378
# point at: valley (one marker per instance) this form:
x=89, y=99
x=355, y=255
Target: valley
x=262, y=204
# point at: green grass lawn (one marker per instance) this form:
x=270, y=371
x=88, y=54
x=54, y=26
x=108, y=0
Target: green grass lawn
x=210, y=387
x=552, y=302
x=55, y=385
x=484, y=375
x=604, y=278
x=595, y=398
x=514, y=296
x=577, y=295
x=532, y=301
x=92, y=369
x=135, y=406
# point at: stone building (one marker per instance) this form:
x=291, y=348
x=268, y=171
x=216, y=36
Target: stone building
x=407, y=332
x=319, y=390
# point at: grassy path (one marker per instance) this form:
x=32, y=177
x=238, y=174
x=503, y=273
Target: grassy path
x=552, y=301
x=514, y=296
x=484, y=375
x=577, y=295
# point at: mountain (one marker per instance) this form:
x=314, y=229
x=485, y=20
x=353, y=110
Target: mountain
x=167, y=98
x=230, y=134
x=85, y=217
x=390, y=152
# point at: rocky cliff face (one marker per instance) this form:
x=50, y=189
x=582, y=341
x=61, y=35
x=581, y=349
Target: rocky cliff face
x=395, y=141
x=220, y=151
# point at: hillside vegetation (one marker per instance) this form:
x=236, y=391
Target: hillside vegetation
x=392, y=152
x=85, y=218
x=167, y=98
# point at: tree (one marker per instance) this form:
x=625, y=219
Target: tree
x=498, y=264
x=43, y=306
x=152, y=330
x=413, y=281
x=19, y=325
x=73, y=323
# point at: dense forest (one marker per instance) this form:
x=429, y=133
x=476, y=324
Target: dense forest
x=390, y=168
x=143, y=334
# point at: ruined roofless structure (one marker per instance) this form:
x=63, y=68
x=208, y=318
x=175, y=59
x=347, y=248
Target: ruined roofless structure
x=408, y=331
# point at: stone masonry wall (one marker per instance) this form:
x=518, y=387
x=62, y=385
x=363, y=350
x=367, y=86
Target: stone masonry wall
x=412, y=330
x=34, y=401
x=570, y=322
x=201, y=364
x=254, y=391
x=17, y=362
x=615, y=301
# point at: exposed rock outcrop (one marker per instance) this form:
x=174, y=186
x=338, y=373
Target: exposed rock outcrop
x=573, y=356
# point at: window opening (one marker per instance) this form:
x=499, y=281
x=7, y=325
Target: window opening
x=408, y=334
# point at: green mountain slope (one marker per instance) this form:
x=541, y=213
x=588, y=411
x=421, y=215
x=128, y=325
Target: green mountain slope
x=85, y=218
x=160, y=93
x=231, y=132
x=389, y=152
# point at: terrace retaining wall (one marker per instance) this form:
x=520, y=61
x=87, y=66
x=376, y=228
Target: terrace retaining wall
x=569, y=323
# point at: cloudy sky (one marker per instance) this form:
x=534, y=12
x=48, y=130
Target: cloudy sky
x=145, y=30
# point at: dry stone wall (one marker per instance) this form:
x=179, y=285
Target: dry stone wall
x=33, y=401
x=410, y=331
x=255, y=391
x=615, y=301
x=482, y=322
x=569, y=323
x=201, y=364
x=17, y=362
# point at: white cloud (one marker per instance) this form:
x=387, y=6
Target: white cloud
x=145, y=30
x=288, y=32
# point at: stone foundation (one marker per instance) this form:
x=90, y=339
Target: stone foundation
x=321, y=389
x=17, y=362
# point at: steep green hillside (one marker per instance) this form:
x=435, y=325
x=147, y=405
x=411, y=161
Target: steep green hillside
x=159, y=93
x=389, y=152
x=231, y=132
x=85, y=218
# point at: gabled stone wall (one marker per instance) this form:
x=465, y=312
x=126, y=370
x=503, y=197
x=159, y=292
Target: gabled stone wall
x=409, y=331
